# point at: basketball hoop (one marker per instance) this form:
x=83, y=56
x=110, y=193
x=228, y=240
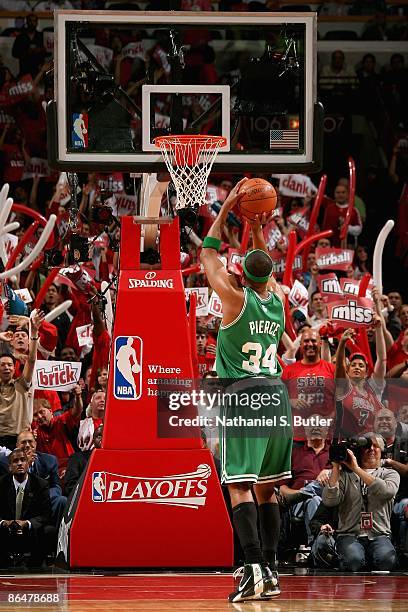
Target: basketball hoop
x=189, y=159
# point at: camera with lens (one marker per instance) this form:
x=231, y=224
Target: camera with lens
x=338, y=450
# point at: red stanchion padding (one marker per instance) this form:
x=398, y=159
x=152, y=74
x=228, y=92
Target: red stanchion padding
x=245, y=237
x=158, y=509
x=152, y=485
x=352, y=192
x=192, y=328
x=290, y=258
x=313, y=217
x=18, y=249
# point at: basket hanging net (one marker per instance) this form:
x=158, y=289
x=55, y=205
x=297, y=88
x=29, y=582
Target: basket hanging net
x=189, y=159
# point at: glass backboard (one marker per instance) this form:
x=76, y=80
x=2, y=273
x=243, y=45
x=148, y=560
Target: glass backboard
x=124, y=78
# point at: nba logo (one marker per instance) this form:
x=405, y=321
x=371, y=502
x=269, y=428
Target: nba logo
x=79, y=135
x=127, y=380
x=98, y=486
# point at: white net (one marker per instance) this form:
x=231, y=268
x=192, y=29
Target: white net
x=189, y=161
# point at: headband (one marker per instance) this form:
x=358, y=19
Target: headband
x=252, y=277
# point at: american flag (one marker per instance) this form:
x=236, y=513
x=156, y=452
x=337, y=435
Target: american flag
x=284, y=139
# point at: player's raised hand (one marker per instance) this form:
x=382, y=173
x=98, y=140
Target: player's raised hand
x=233, y=195
x=260, y=220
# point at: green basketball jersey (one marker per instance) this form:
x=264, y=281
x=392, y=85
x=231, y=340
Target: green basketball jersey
x=248, y=346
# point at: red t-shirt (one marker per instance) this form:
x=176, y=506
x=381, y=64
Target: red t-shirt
x=97, y=422
x=360, y=408
x=205, y=363
x=307, y=465
x=332, y=218
x=396, y=354
x=314, y=383
x=54, y=439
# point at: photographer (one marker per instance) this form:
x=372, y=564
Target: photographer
x=365, y=497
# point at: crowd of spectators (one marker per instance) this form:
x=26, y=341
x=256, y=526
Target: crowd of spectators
x=55, y=432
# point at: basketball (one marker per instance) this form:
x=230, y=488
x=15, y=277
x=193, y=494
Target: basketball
x=258, y=197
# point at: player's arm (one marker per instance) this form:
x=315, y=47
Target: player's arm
x=217, y=275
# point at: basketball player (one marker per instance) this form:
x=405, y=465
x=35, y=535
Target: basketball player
x=359, y=392
x=252, y=325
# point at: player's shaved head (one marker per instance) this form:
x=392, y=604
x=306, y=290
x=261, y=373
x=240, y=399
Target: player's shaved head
x=257, y=266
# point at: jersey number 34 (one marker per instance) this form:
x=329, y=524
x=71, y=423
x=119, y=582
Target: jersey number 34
x=256, y=360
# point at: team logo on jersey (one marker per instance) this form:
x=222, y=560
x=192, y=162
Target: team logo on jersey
x=99, y=486
x=127, y=382
x=79, y=136
x=188, y=490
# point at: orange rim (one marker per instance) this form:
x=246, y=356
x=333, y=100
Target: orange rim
x=207, y=142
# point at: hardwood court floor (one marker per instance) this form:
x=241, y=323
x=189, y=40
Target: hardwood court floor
x=197, y=592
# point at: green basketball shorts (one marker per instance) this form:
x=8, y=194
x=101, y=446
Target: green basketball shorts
x=255, y=431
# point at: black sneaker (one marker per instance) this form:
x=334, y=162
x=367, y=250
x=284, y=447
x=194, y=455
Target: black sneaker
x=271, y=582
x=251, y=584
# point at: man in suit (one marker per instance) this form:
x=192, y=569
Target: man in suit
x=43, y=465
x=25, y=513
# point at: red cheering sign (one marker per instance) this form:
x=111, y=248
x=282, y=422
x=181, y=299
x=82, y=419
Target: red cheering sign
x=352, y=286
x=300, y=221
x=15, y=92
x=329, y=286
x=272, y=235
x=351, y=312
x=334, y=259
x=234, y=265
